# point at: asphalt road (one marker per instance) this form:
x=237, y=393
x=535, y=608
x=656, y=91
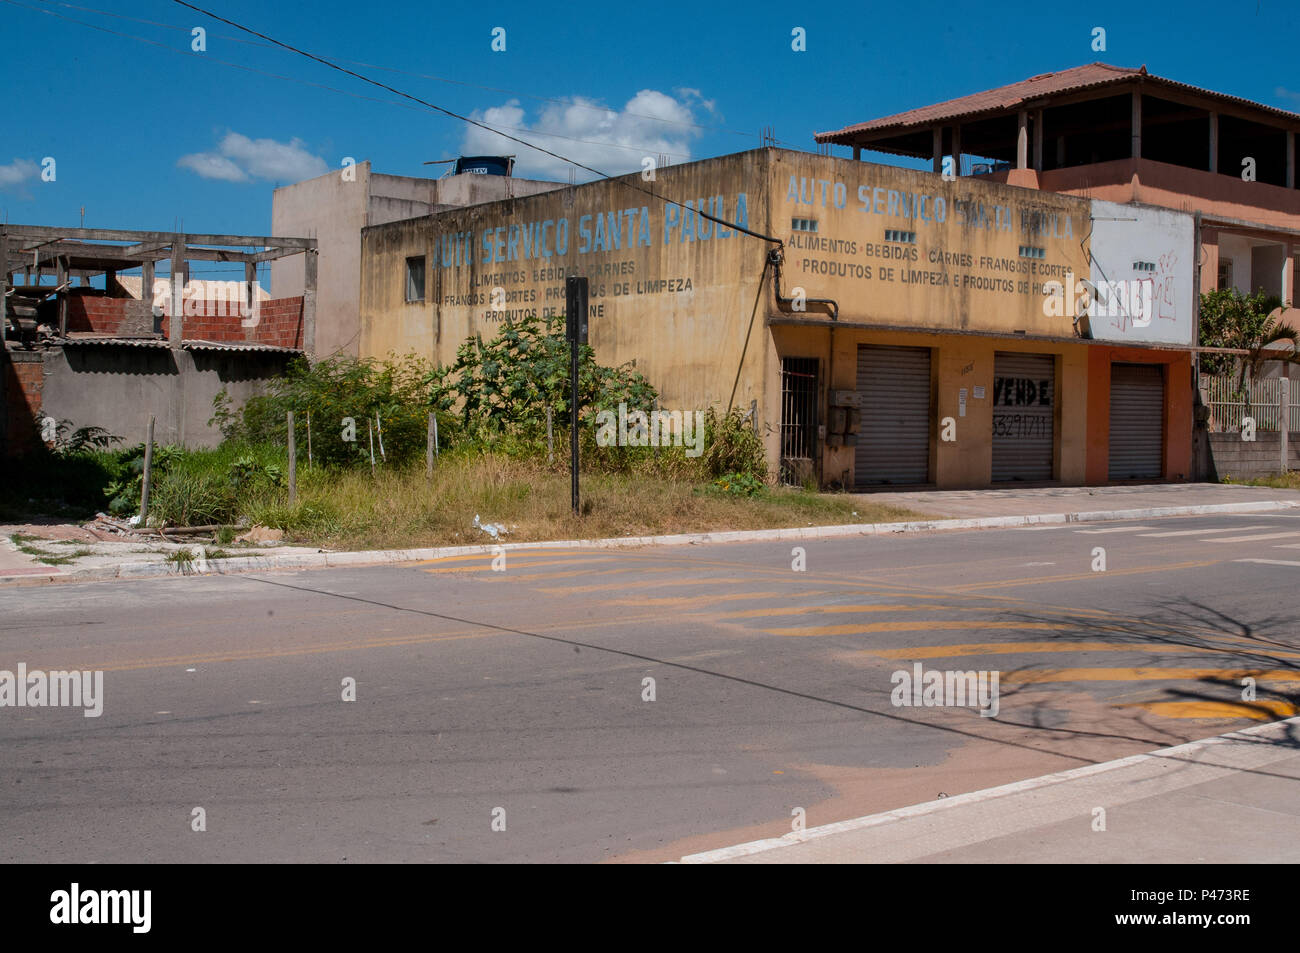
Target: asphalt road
x=518, y=698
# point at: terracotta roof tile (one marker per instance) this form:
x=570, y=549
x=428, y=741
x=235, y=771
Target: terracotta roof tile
x=1035, y=88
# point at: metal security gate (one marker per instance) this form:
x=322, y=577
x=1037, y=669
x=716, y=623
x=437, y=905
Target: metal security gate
x=1024, y=406
x=1137, y=421
x=894, y=439
x=798, y=418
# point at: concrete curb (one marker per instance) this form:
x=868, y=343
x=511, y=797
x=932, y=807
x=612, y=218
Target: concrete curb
x=325, y=560
x=1183, y=752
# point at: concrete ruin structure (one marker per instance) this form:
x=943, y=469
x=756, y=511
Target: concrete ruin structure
x=98, y=347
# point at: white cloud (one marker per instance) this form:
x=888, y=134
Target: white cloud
x=1285, y=93
x=209, y=166
x=17, y=172
x=611, y=140
x=241, y=159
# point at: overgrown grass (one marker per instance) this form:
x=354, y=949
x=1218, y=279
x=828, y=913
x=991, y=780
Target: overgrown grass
x=1281, y=481
x=25, y=541
x=404, y=508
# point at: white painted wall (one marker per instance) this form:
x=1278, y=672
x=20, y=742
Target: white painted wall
x=1125, y=234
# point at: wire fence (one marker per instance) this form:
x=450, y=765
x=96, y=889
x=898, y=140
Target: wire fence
x=1229, y=406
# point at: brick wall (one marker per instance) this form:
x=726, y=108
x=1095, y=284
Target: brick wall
x=279, y=323
x=279, y=320
x=101, y=315
x=24, y=374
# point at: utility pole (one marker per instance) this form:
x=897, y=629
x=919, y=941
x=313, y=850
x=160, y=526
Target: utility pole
x=575, y=329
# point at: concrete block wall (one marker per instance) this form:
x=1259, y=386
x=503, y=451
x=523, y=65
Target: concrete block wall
x=1230, y=456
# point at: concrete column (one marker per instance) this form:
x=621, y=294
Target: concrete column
x=1022, y=141
x=956, y=150
x=61, y=279
x=146, y=293
x=1137, y=124
x=936, y=148
x=309, y=303
x=857, y=153
x=1060, y=152
x=175, y=326
x=250, y=292
x=1038, y=140
x=1214, y=142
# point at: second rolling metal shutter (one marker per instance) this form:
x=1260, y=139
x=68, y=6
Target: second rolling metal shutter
x=1024, y=403
x=1137, y=411
x=894, y=439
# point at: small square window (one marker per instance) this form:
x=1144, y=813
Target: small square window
x=803, y=224
x=415, y=279
x=1144, y=266
x=1031, y=251
x=1225, y=273
x=897, y=235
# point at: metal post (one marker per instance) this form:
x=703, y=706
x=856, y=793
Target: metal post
x=550, y=440
x=428, y=447
x=148, y=472
x=573, y=421
x=575, y=327
x=293, y=462
x=309, y=437
x=1284, y=423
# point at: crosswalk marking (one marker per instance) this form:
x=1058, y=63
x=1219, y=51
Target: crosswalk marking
x=1203, y=532
x=1270, y=562
x=914, y=626
x=1061, y=645
x=1113, y=529
x=1034, y=676
x=1252, y=539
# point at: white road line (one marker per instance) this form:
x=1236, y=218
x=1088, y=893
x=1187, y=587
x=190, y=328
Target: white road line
x=1039, y=529
x=1114, y=529
x=1251, y=539
x=1194, y=532
x=1269, y=562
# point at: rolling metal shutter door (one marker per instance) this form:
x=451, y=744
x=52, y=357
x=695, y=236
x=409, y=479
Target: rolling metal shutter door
x=1137, y=417
x=894, y=439
x=1024, y=399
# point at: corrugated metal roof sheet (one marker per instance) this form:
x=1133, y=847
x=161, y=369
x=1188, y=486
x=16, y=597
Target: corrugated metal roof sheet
x=1006, y=98
x=84, y=339
x=237, y=346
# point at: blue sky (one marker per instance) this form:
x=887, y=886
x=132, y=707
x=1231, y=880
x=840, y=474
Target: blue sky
x=146, y=135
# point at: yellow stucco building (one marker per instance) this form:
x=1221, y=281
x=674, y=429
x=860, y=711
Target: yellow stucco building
x=889, y=326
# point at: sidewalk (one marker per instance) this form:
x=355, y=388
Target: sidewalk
x=1230, y=799
x=1074, y=499
x=948, y=509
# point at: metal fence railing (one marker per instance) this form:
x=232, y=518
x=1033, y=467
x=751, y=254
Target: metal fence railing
x=1228, y=406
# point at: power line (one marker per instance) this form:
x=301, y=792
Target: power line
x=440, y=79
x=293, y=79
x=467, y=119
